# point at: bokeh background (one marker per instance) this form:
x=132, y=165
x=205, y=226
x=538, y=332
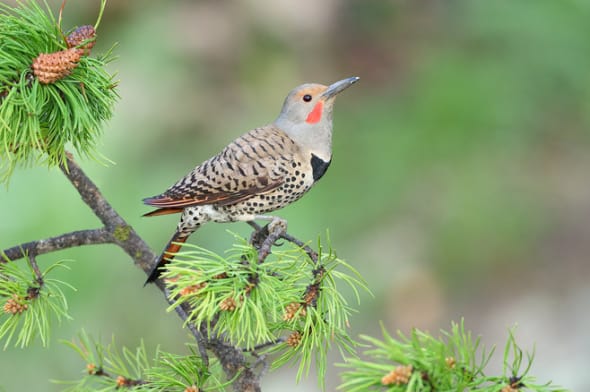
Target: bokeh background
x=459, y=185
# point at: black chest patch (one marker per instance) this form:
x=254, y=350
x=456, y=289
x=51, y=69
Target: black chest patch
x=318, y=166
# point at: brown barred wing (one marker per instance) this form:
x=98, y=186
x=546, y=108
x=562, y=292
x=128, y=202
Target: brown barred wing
x=255, y=163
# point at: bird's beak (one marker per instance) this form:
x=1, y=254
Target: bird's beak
x=339, y=86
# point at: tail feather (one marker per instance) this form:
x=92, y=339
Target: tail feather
x=163, y=211
x=167, y=255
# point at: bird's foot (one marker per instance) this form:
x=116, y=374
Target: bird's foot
x=277, y=225
x=264, y=238
x=258, y=235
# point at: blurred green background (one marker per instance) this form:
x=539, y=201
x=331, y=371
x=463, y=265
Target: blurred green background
x=459, y=185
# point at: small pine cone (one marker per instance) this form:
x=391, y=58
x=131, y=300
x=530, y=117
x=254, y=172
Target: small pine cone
x=192, y=388
x=291, y=311
x=311, y=294
x=121, y=381
x=192, y=289
x=514, y=385
x=171, y=280
x=228, y=304
x=294, y=339
x=15, y=305
x=91, y=368
x=51, y=67
x=400, y=375
x=249, y=288
x=222, y=275
x=80, y=35
x=450, y=361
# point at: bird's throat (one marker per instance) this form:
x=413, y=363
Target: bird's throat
x=319, y=166
x=316, y=114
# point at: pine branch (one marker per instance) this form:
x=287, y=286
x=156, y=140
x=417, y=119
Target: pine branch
x=64, y=241
x=287, y=305
x=261, y=235
x=234, y=364
x=118, y=232
x=122, y=233
x=455, y=361
x=53, y=93
x=115, y=231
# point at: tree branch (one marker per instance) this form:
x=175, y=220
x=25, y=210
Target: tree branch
x=261, y=234
x=123, y=234
x=248, y=380
x=64, y=241
x=117, y=231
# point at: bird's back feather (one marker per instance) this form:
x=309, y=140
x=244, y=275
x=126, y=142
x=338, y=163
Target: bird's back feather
x=254, y=163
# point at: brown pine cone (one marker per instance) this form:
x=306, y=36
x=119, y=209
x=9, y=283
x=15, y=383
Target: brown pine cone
x=291, y=311
x=80, y=35
x=398, y=376
x=15, y=305
x=294, y=339
x=229, y=304
x=51, y=67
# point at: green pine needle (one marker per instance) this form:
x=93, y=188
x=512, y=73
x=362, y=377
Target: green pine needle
x=178, y=372
x=448, y=363
x=270, y=301
x=38, y=312
x=107, y=365
x=38, y=121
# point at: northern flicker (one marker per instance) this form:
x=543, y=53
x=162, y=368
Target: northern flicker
x=261, y=171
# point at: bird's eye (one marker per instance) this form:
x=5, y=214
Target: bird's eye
x=307, y=97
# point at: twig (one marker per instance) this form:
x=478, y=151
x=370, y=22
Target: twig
x=265, y=345
x=313, y=255
x=35, y=268
x=261, y=233
x=64, y=241
x=261, y=361
x=120, y=381
x=274, y=233
x=183, y=311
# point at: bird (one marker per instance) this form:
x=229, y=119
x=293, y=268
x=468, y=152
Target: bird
x=261, y=171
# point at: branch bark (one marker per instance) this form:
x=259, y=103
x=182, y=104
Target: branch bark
x=118, y=232
x=123, y=234
x=64, y=241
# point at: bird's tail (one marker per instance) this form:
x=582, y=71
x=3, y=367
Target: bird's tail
x=167, y=255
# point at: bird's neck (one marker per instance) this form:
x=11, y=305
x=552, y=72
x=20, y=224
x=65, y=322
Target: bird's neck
x=316, y=138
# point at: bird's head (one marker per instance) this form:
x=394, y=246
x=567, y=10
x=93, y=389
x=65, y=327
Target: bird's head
x=307, y=112
x=312, y=103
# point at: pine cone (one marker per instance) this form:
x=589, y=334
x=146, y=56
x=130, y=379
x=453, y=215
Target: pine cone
x=400, y=375
x=51, y=67
x=91, y=368
x=80, y=35
x=311, y=294
x=192, y=289
x=228, y=304
x=121, y=382
x=15, y=305
x=291, y=311
x=192, y=388
x=294, y=339
x=450, y=361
